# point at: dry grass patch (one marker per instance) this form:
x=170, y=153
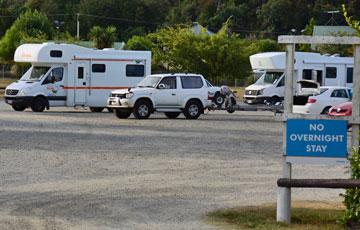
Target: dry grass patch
x=305, y=215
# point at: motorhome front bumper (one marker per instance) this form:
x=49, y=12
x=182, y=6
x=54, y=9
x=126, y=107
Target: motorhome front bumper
x=255, y=99
x=19, y=101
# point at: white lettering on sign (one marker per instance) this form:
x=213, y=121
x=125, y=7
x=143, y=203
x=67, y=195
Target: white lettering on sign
x=316, y=148
x=317, y=137
x=316, y=127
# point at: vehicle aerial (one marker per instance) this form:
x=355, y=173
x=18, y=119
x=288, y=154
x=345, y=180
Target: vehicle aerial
x=341, y=110
x=172, y=94
x=71, y=75
x=269, y=70
x=321, y=103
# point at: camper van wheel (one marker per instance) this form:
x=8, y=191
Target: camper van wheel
x=274, y=99
x=96, y=109
x=18, y=108
x=38, y=104
x=122, y=113
x=142, y=109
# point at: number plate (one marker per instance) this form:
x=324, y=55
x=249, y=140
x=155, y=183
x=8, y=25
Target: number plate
x=9, y=101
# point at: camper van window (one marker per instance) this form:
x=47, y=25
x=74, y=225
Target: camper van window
x=330, y=72
x=56, y=53
x=307, y=74
x=35, y=73
x=58, y=73
x=269, y=78
x=135, y=70
x=349, y=75
x=98, y=68
x=80, y=72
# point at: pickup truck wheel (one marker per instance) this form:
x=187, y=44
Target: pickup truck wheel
x=96, y=109
x=218, y=99
x=172, y=115
x=142, y=109
x=122, y=113
x=192, y=110
x=38, y=104
x=18, y=108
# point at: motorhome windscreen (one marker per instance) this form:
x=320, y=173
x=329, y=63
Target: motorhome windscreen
x=150, y=81
x=35, y=73
x=269, y=78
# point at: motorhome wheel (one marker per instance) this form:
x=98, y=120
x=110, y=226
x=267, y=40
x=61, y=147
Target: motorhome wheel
x=38, y=104
x=18, y=108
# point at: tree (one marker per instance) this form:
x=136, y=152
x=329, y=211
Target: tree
x=103, y=37
x=31, y=24
x=139, y=43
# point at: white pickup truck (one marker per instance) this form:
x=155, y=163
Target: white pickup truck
x=169, y=93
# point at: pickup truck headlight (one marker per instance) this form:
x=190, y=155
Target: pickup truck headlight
x=129, y=95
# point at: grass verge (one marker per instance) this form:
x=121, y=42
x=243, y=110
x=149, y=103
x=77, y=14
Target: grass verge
x=315, y=216
x=5, y=82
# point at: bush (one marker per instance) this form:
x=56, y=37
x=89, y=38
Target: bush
x=352, y=196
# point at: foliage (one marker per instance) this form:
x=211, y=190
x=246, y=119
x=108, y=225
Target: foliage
x=31, y=24
x=352, y=196
x=103, y=37
x=350, y=21
x=221, y=57
x=139, y=43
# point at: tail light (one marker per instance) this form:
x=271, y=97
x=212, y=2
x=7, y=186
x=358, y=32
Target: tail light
x=209, y=95
x=311, y=101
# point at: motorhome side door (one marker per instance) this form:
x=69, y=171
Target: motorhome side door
x=81, y=83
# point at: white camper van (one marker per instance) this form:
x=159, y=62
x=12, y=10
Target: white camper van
x=269, y=71
x=70, y=75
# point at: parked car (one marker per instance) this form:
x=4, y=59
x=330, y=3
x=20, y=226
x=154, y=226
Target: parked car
x=169, y=93
x=327, y=97
x=341, y=110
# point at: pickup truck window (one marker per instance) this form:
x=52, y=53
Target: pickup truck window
x=191, y=82
x=169, y=82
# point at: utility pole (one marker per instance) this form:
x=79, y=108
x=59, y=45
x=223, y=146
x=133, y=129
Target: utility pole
x=77, y=26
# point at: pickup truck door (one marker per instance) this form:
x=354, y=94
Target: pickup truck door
x=166, y=94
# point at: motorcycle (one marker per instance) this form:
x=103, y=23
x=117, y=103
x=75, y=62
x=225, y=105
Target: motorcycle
x=230, y=98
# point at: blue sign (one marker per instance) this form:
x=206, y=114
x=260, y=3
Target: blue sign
x=316, y=138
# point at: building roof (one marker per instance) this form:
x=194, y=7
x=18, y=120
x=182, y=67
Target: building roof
x=333, y=30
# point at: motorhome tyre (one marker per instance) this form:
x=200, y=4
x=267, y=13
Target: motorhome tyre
x=172, y=115
x=122, y=113
x=18, y=108
x=142, y=109
x=38, y=104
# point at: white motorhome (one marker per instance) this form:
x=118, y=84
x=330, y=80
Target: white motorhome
x=71, y=75
x=269, y=71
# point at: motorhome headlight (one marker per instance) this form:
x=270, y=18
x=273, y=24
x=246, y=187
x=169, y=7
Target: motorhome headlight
x=22, y=92
x=261, y=92
x=129, y=95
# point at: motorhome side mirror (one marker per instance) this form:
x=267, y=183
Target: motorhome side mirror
x=161, y=86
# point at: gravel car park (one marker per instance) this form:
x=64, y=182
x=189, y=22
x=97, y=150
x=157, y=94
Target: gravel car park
x=73, y=169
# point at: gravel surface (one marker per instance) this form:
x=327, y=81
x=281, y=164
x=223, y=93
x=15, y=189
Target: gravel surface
x=71, y=169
